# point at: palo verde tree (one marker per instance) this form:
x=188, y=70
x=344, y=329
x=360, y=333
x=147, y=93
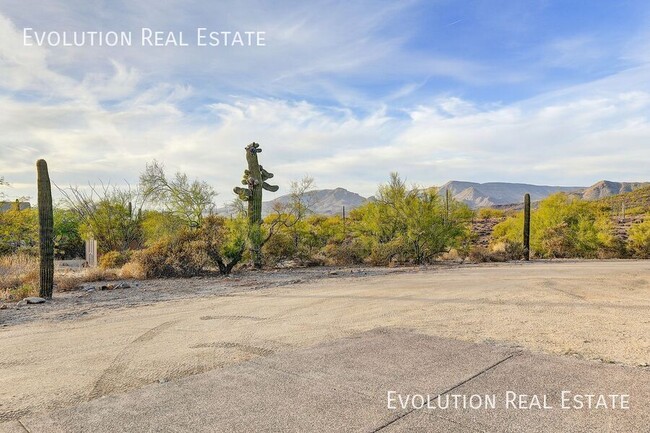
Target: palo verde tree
x=412, y=224
x=255, y=180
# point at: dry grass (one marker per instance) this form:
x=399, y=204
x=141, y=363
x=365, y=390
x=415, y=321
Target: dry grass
x=71, y=279
x=133, y=270
x=19, y=277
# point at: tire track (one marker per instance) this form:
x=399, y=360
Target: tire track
x=111, y=379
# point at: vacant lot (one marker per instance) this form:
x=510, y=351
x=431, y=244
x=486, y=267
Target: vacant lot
x=89, y=344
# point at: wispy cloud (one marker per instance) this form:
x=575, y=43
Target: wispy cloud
x=347, y=92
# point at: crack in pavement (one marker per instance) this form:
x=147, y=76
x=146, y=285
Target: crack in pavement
x=410, y=411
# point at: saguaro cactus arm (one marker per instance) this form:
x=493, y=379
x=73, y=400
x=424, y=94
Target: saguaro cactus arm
x=243, y=193
x=272, y=188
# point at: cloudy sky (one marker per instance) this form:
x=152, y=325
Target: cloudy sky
x=546, y=92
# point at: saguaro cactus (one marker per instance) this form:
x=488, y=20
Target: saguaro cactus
x=45, y=231
x=255, y=180
x=527, y=227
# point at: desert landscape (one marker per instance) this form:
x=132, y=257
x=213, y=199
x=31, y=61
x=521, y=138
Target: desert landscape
x=324, y=216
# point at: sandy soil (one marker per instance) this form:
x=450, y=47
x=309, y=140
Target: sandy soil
x=85, y=345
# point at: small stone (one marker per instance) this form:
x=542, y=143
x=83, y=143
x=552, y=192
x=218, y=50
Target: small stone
x=334, y=272
x=3, y=307
x=34, y=300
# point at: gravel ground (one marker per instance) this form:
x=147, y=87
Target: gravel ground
x=84, y=345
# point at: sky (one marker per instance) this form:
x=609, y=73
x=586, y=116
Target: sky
x=543, y=92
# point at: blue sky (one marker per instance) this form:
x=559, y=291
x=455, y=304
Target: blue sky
x=546, y=92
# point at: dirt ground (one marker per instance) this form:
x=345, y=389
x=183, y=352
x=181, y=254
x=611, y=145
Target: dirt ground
x=87, y=344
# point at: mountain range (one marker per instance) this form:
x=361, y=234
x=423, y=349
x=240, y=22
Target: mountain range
x=475, y=195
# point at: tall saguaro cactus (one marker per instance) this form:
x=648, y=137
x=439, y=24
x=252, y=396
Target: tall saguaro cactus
x=527, y=227
x=255, y=180
x=45, y=231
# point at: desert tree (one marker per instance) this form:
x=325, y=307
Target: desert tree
x=290, y=214
x=107, y=213
x=411, y=222
x=188, y=200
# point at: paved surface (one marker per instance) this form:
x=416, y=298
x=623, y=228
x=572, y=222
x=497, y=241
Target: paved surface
x=342, y=385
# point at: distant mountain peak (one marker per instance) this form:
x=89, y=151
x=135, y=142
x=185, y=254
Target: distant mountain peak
x=322, y=201
x=477, y=195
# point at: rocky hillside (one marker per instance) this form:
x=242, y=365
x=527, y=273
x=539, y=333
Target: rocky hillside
x=606, y=188
x=490, y=194
x=638, y=199
x=509, y=195
x=322, y=201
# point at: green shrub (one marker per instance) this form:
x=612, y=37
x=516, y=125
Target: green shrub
x=561, y=227
x=489, y=213
x=639, y=239
x=279, y=247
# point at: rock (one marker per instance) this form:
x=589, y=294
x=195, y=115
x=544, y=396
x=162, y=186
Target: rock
x=34, y=300
x=3, y=307
x=334, y=272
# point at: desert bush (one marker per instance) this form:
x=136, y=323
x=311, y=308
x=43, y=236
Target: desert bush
x=489, y=213
x=113, y=259
x=69, y=280
x=639, y=239
x=280, y=246
x=484, y=255
x=132, y=270
x=513, y=251
x=561, y=227
x=508, y=250
x=224, y=240
x=19, y=231
x=410, y=225
x=183, y=255
x=349, y=252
